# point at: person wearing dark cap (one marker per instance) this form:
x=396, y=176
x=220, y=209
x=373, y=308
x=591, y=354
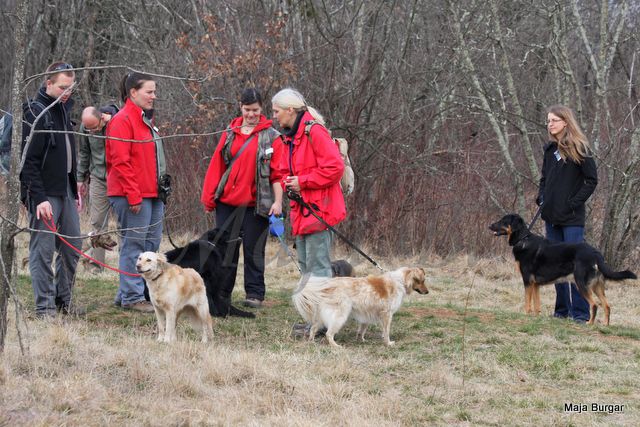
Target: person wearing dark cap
x=242, y=186
x=92, y=170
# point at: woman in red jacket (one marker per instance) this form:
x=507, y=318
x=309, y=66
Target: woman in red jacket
x=242, y=184
x=314, y=169
x=135, y=168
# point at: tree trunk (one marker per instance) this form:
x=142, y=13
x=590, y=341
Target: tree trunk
x=7, y=249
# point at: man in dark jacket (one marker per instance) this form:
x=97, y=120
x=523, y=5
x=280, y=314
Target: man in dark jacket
x=49, y=191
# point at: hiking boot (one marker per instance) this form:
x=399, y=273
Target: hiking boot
x=72, y=310
x=95, y=268
x=141, y=306
x=252, y=302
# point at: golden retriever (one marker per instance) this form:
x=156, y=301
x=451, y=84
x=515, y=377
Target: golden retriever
x=174, y=291
x=372, y=299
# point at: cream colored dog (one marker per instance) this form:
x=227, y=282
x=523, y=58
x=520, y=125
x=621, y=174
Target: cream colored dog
x=175, y=290
x=372, y=299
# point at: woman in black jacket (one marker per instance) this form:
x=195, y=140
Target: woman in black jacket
x=569, y=177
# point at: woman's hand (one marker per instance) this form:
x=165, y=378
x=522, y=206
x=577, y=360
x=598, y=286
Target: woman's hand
x=276, y=208
x=292, y=183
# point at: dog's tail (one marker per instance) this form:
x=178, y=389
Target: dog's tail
x=611, y=274
x=305, y=298
x=233, y=311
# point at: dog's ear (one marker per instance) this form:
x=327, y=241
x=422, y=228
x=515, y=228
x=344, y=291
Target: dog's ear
x=517, y=222
x=162, y=257
x=408, y=275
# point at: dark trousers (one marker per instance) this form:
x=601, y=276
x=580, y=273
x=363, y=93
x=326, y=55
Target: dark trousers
x=569, y=302
x=241, y=221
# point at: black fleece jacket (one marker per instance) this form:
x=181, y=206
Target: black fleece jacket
x=44, y=172
x=565, y=187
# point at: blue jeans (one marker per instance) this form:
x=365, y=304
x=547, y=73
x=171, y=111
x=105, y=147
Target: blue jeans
x=569, y=302
x=51, y=289
x=143, y=232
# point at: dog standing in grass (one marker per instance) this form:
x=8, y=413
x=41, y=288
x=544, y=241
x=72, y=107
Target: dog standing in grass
x=542, y=262
x=372, y=299
x=174, y=291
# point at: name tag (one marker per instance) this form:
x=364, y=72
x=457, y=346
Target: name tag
x=557, y=154
x=268, y=151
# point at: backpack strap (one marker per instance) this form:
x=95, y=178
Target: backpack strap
x=307, y=128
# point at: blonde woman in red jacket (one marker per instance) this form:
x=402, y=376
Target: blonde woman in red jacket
x=135, y=167
x=242, y=185
x=314, y=168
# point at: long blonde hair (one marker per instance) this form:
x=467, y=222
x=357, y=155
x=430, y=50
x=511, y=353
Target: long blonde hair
x=291, y=98
x=572, y=143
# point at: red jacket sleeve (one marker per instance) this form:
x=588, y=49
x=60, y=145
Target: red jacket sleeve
x=278, y=161
x=212, y=178
x=330, y=164
x=119, y=155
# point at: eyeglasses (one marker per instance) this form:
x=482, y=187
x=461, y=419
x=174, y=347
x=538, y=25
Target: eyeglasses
x=98, y=127
x=548, y=122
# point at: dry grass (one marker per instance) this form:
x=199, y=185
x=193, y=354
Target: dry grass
x=507, y=369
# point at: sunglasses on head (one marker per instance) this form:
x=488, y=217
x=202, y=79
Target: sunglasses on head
x=63, y=66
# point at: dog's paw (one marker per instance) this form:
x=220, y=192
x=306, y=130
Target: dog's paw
x=390, y=343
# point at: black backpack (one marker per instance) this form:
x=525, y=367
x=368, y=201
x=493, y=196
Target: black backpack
x=6, y=128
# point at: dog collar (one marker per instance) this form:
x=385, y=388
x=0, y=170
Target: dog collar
x=522, y=239
x=157, y=275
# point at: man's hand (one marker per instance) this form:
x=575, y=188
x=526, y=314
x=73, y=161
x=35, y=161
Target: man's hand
x=44, y=210
x=83, y=188
x=135, y=209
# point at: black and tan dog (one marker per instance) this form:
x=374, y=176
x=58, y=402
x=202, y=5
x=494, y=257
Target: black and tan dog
x=542, y=262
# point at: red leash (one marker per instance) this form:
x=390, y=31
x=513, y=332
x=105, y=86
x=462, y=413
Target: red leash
x=52, y=227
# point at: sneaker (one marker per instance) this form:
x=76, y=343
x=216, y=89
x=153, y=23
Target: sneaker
x=141, y=306
x=252, y=302
x=301, y=330
x=45, y=315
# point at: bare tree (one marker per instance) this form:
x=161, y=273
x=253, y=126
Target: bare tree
x=7, y=248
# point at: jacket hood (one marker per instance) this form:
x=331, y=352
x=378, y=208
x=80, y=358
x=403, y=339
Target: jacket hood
x=263, y=124
x=306, y=117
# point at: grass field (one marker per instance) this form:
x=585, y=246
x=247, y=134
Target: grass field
x=465, y=355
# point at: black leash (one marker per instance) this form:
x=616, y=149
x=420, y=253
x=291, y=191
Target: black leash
x=298, y=198
x=536, y=216
x=166, y=228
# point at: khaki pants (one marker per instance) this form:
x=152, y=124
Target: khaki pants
x=98, y=211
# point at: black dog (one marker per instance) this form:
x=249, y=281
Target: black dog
x=211, y=255
x=342, y=268
x=542, y=262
